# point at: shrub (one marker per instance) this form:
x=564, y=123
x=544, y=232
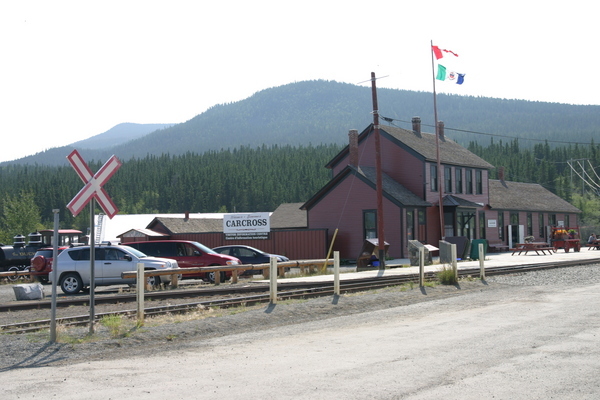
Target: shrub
x=446, y=276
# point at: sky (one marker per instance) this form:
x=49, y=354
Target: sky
x=70, y=70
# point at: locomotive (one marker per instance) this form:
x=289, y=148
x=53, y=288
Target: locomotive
x=17, y=257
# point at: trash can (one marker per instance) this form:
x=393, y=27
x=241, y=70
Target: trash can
x=475, y=248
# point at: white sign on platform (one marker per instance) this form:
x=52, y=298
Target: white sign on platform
x=246, y=226
x=491, y=223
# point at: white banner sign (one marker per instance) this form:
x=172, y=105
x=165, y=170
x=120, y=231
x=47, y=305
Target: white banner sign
x=246, y=223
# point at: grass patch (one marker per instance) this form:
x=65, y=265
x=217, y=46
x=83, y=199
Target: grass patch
x=446, y=276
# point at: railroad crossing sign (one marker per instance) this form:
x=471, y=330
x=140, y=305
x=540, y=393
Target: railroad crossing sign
x=93, y=184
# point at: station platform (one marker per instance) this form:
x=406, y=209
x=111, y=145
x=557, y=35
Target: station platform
x=491, y=260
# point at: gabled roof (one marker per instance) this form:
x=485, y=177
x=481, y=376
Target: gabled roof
x=392, y=190
x=505, y=195
x=142, y=233
x=189, y=225
x=423, y=146
x=288, y=216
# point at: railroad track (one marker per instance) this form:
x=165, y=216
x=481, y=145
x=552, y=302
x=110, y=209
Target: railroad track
x=251, y=295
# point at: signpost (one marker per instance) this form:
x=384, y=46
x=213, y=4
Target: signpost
x=246, y=226
x=93, y=189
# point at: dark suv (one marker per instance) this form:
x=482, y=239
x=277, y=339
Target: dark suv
x=188, y=254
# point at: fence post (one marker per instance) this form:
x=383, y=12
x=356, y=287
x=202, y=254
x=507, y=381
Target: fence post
x=336, y=273
x=481, y=261
x=273, y=280
x=454, y=261
x=141, y=285
x=421, y=266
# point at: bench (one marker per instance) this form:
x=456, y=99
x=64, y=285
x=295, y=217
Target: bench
x=591, y=246
x=498, y=247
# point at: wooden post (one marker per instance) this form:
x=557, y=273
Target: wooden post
x=273, y=280
x=454, y=261
x=336, y=273
x=421, y=266
x=141, y=284
x=481, y=261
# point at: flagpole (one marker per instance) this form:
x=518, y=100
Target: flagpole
x=437, y=145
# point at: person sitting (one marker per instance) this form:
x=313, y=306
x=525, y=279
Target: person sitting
x=593, y=240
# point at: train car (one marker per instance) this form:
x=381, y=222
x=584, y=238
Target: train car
x=17, y=257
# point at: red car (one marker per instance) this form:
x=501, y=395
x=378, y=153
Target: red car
x=188, y=254
x=41, y=263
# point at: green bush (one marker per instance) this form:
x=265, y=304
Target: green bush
x=446, y=276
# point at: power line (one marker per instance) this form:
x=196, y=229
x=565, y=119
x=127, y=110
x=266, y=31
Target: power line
x=392, y=120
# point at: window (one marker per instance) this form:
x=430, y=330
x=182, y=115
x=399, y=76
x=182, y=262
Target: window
x=529, y=224
x=447, y=179
x=514, y=218
x=458, y=180
x=552, y=219
x=421, y=218
x=482, y=224
x=567, y=221
x=434, y=178
x=469, y=181
x=370, y=224
x=501, y=225
x=465, y=221
x=478, y=182
x=410, y=225
x=541, y=225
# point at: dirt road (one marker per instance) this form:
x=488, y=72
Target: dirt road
x=537, y=342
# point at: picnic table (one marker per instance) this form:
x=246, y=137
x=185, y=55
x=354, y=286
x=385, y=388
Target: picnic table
x=533, y=246
x=594, y=245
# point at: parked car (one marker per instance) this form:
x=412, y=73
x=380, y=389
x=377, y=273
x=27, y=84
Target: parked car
x=73, y=267
x=41, y=263
x=249, y=255
x=188, y=254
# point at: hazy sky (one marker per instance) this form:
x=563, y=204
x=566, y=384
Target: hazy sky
x=74, y=69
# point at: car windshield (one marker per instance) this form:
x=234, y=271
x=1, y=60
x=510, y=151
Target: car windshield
x=255, y=249
x=136, y=252
x=204, y=248
x=45, y=253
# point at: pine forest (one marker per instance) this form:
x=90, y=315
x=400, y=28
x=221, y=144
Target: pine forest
x=260, y=179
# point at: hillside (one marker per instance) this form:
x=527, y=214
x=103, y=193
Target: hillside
x=322, y=112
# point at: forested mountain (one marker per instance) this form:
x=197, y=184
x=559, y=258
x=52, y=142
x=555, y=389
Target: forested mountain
x=118, y=135
x=322, y=112
x=115, y=136
x=240, y=180
x=276, y=143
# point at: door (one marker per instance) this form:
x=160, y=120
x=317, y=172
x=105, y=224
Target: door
x=110, y=263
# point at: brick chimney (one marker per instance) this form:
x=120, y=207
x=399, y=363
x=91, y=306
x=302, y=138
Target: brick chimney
x=187, y=216
x=353, y=147
x=501, y=174
x=441, y=130
x=416, y=123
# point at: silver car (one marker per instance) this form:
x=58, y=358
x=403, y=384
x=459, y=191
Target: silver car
x=73, y=267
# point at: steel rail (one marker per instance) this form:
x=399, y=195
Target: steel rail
x=300, y=290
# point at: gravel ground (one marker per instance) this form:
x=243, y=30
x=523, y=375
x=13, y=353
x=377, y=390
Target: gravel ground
x=33, y=350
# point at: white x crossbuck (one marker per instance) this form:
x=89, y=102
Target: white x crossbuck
x=93, y=184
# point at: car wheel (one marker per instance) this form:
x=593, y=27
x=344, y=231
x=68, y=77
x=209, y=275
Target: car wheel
x=71, y=283
x=153, y=281
x=211, y=276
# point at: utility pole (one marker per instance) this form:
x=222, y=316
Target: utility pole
x=379, y=183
